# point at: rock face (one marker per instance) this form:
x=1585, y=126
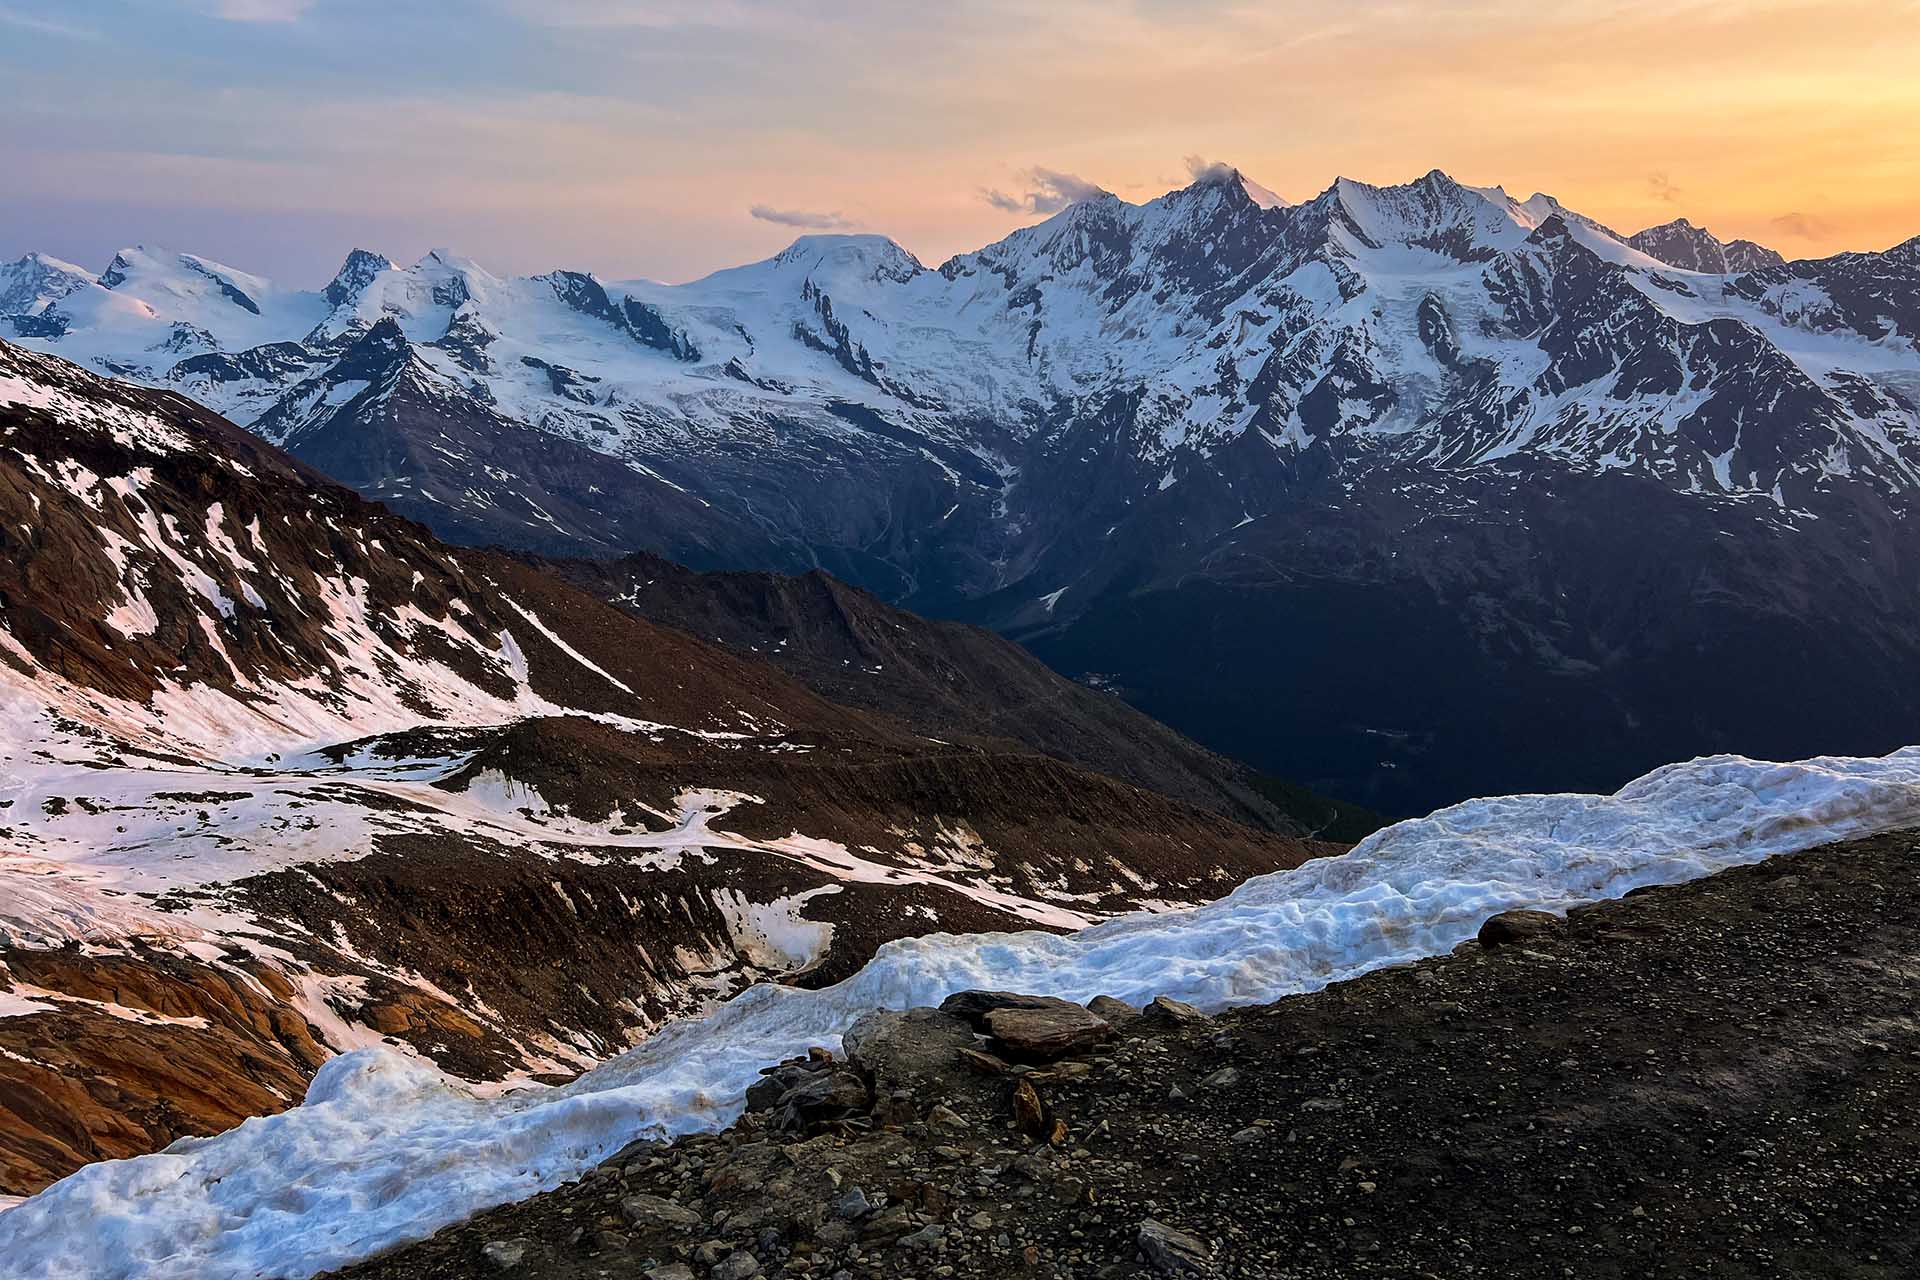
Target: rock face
x=290, y=776
x=128, y=1052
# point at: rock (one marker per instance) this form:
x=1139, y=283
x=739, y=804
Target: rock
x=945, y=1117
x=739, y=1265
x=853, y=1203
x=1170, y=1252
x=1520, y=926
x=652, y=1211
x=896, y=1108
x=635, y=1150
x=823, y=1097
x=910, y=1050
x=1030, y=1114
x=765, y=1093
x=985, y=1063
x=1047, y=1033
x=1224, y=1078
x=1166, y=1010
x=890, y=1223
x=974, y=1006
x=1114, y=1011
x=925, y=1238
x=504, y=1255
x=671, y=1271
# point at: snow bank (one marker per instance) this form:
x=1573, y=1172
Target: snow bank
x=386, y=1149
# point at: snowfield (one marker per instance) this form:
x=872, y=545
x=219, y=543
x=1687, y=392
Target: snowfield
x=386, y=1149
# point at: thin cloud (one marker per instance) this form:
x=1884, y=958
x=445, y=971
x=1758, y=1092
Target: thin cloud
x=1200, y=169
x=1048, y=191
x=653, y=14
x=1802, y=226
x=48, y=26
x=802, y=218
x=263, y=11
x=1663, y=188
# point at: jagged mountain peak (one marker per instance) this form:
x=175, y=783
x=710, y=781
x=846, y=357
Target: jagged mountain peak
x=358, y=271
x=35, y=281
x=1683, y=244
x=1434, y=212
x=1227, y=176
x=384, y=338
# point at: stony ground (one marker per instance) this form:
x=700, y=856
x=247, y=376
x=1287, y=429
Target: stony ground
x=1719, y=1079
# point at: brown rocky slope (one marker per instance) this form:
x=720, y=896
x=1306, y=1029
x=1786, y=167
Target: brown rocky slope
x=949, y=680
x=515, y=829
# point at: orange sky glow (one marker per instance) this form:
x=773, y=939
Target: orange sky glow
x=637, y=138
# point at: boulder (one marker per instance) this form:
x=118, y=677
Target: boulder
x=823, y=1097
x=1113, y=1010
x=1167, y=1010
x=974, y=1006
x=1520, y=927
x=1046, y=1033
x=908, y=1050
x=765, y=1093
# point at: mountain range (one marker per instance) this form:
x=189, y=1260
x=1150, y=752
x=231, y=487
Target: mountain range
x=1409, y=492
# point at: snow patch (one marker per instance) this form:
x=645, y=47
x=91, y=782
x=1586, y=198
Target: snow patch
x=386, y=1149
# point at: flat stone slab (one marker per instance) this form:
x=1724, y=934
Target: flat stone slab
x=1049, y=1032
x=974, y=1006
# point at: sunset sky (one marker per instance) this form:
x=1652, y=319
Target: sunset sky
x=639, y=138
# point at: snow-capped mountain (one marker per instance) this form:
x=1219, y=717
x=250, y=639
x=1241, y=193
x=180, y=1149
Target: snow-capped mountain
x=283, y=776
x=1072, y=431
x=36, y=281
x=1681, y=244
